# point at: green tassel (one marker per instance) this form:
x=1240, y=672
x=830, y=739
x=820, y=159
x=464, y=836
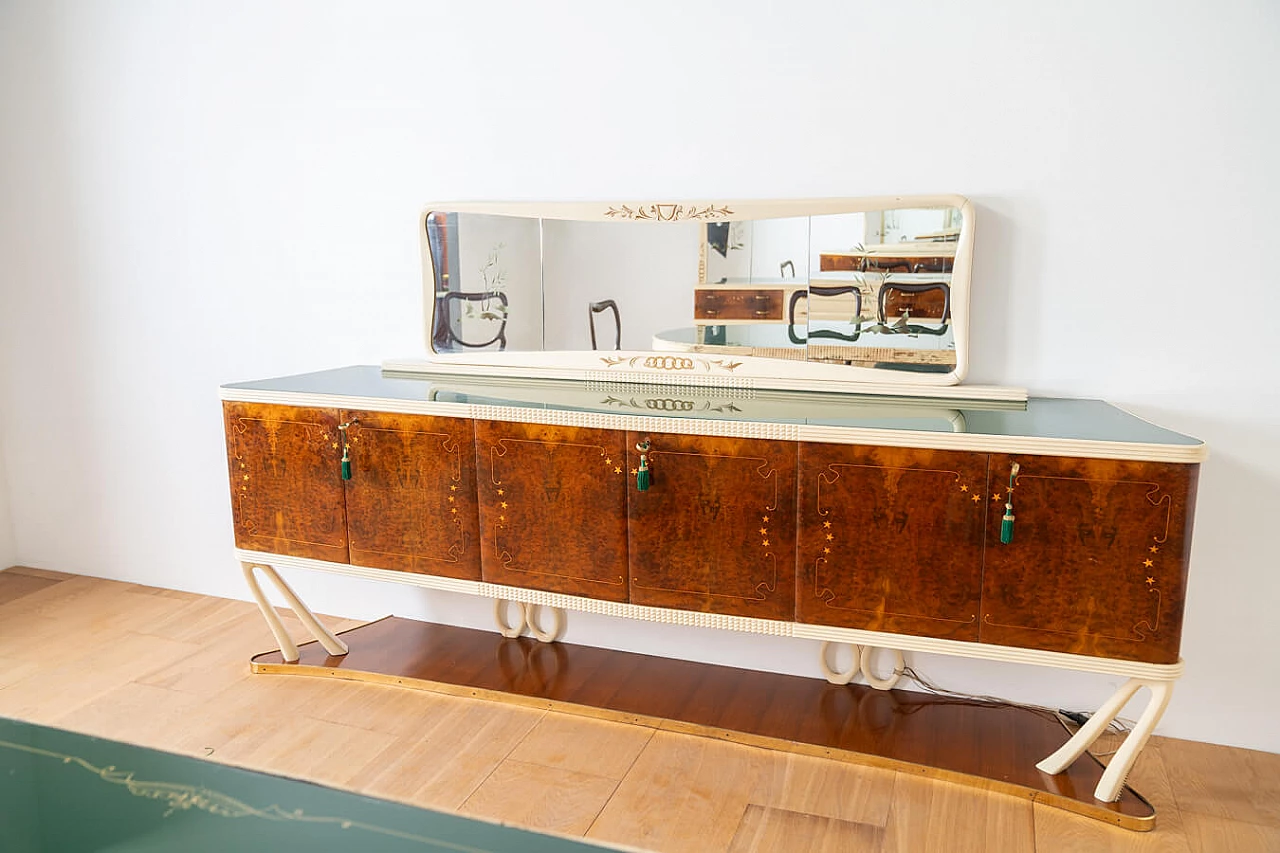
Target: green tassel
x=346, y=468
x=642, y=480
x=1006, y=526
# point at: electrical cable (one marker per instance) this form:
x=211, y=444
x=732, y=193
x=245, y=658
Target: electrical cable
x=1117, y=726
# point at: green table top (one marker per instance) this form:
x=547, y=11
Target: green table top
x=68, y=793
x=1039, y=418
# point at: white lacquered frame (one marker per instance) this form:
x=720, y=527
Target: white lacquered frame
x=649, y=366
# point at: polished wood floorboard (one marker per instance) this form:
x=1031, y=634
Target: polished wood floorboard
x=168, y=670
x=994, y=747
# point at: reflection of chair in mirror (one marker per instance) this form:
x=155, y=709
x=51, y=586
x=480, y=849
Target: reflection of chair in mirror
x=484, y=298
x=595, y=308
x=915, y=300
x=830, y=334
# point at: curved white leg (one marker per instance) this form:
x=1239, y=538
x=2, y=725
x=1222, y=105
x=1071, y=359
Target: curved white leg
x=1117, y=771
x=505, y=628
x=288, y=649
x=869, y=674
x=532, y=612
x=837, y=676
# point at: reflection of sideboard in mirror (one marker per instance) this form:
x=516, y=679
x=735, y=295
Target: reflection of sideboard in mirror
x=825, y=294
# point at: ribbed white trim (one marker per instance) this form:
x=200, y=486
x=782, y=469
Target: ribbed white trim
x=744, y=624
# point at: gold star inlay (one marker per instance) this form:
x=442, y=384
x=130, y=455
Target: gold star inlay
x=765, y=519
x=454, y=510
x=504, y=504
x=976, y=498
x=997, y=496
x=453, y=488
x=826, y=524
x=634, y=471
x=1150, y=581
x=335, y=445
x=830, y=537
x=1154, y=548
x=502, y=491
x=764, y=530
x=617, y=470
x=1148, y=563
x=608, y=461
x=502, y=518
x=826, y=550
x=450, y=498
x=963, y=487
x=765, y=543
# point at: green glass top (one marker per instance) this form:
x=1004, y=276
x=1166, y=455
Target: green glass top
x=1039, y=417
x=68, y=793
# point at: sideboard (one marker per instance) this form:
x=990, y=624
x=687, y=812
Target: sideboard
x=1055, y=532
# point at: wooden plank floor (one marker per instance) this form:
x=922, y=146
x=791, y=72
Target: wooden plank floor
x=169, y=670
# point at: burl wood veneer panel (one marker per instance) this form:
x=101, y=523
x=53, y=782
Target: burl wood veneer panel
x=1098, y=561
x=931, y=304
x=286, y=480
x=715, y=532
x=891, y=539
x=553, y=508
x=755, y=305
x=411, y=499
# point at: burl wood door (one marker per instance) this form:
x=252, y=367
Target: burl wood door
x=553, y=508
x=891, y=539
x=411, y=499
x=1098, y=561
x=286, y=480
x=716, y=529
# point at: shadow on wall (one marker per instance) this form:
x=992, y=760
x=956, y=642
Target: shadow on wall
x=1009, y=252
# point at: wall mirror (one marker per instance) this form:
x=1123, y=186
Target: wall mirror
x=856, y=294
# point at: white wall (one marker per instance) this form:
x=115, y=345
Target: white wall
x=200, y=193
x=7, y=552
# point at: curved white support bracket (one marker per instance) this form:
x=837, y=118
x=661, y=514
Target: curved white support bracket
x=532, y=612
x=1113, y=778
x=529, y=617
x=288, y=648
x=839, y=676
x=869, y=674
x=506, y=628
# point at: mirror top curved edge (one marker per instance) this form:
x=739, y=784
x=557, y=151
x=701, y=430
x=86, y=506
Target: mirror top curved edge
x=515, y=294
x=703, y=210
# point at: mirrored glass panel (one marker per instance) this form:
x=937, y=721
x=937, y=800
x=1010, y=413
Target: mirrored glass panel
x=867, y=289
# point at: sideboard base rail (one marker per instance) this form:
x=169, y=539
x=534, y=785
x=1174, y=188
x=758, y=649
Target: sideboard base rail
x=877, y=639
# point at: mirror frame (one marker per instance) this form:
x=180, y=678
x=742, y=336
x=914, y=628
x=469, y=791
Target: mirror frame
x=707, y=368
